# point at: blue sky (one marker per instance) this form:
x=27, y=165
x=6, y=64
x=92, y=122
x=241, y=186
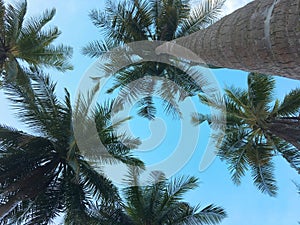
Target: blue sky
x=244, y=204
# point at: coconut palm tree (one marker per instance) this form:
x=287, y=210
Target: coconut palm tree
x=160, y=203
x=258, y=128
x=261, y=37
x=132, y=21
x=43, y=173
x=26, y=41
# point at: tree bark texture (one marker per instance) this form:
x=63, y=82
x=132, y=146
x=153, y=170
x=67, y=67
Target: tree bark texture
x=288, y=130
x=263, y=36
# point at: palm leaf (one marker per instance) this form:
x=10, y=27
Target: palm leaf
x=198, y=118
x=211, y=214
x=77, y=202
x=14, y=17
x=234, y=150
x=290, y=105
x=260, y=90
x=37, y=106
x=262, y=169
x=200, y=17
x=288, y=151
x=97, y=183
x=96, y=49
x=146, y=108
x=35, y=24
x=180, y=186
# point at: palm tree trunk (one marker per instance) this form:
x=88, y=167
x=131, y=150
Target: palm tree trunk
x=288, y=130
x=263, y=36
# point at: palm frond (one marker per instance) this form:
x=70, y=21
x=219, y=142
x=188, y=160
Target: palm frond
x=290, y=105
x=21, y=153
x=29, y=41
x=160, y=202
x=217, y=102
x=46, y=207
x=132, y=177
x=14, y=17
x=54, y=56
x=98, y=184
x=77, y=202
x=290, y=153
x=135, y=202
x=179, y=186
x=156, y=177
x=124, y=22
x=37, y=105
x=97, y=48
x=235, y=150
x=260, y=90
x=262, y=169
x=35, y=24
x=190, y=80
x=239, y=97
x=110, y=214
x=198, y=118
x=146, y=108
x=200, y=17
x=211, y=214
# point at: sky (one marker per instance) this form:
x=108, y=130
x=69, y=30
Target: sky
x=244, y=204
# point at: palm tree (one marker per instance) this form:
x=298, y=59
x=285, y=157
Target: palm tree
x=261, y=37
x=44, y=174
x=160, y=203
x=258, y=128
x=132, y=21
x=27, y=41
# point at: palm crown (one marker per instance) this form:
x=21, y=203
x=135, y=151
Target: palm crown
x=27, y=41
x=131, y=21
x=258, y=128
x=161, y=202
x=44, y=174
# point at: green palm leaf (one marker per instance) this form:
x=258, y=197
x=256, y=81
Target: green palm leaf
x=160, y=202
x=260, y=90
x=262, y=169
x=257, y=129
x=290, y=104
x=26, y=41
x=129, y=21
x=200, y=17
x=59, y=175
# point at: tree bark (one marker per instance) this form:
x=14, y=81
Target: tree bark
x=263, y=36
x=288, y=130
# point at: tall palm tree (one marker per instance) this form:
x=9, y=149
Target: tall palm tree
x=25, y=40
x=261, y=37
x=44, y=174
x=258, y=128
x=165, y=20
x=160, y=203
